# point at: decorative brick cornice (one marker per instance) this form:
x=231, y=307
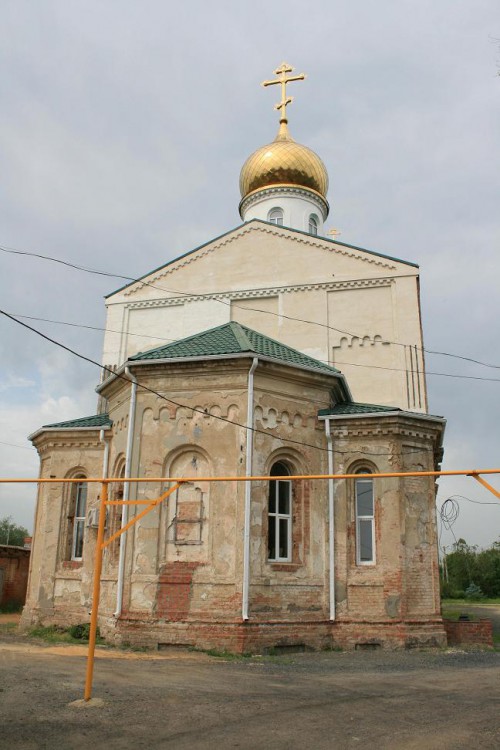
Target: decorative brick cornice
x=287, y=190
x=267, y=292
x=45, y=445
x=379, y=430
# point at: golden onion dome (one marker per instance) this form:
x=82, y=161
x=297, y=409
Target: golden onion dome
x=283, y=162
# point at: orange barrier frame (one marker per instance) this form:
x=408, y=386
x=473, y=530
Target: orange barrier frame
x=101, y=543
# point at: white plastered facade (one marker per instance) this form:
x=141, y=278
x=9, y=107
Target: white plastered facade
x=355, y=309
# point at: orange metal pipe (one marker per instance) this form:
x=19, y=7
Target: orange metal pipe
x=128, y=502
x=152, y=504
x=467, y=473
x=487, y=485
x=96, y=592
x=100, y=544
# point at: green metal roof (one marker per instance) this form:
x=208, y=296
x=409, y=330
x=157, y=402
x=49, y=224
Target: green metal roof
x=233, y=338
x=356, y=408
x=96, y=420
x=258, y=221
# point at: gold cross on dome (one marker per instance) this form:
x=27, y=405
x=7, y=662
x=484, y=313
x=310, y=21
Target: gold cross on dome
x=282, y=79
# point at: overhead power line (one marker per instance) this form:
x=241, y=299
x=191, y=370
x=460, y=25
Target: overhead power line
x=235, y=304
x=166, y=340
x=14, y=445
x=192, y=408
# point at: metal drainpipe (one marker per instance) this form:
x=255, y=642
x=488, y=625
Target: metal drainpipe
x=126, y=492
x=331, y=521
x=105, y=461
x=248, y=493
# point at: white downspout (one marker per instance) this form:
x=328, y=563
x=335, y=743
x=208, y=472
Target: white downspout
x=126, y=492
x=105, y=461
x=248, y=493
x=331, y=521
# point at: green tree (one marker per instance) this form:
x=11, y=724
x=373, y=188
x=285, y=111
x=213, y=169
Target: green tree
x=11, y=533
x=488, y=570
x=467, y=566
x=461, y=565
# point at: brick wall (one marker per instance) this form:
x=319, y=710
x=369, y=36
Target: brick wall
x=251, y=637
x=14, y=568
x=175, y=590
x=469, y=632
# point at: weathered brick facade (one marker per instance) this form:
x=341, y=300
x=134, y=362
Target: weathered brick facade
x=183, y=563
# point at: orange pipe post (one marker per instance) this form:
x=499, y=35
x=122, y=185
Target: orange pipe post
x=96, y=593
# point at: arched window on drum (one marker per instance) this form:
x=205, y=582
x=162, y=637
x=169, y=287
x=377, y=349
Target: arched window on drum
x=275, y=216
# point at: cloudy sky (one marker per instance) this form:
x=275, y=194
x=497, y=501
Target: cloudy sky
x=123, y=128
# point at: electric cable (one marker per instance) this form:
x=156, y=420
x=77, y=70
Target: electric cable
x=450, y=512
x=14, y=445
x=167, y=340
x=229, y=303
x=192, y=408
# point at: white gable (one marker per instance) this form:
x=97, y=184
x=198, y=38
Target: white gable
x=252, y=255
x=335, y=302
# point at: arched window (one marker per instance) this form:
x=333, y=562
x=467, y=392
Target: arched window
x=280, y=515
x=365, y=518
x=275, y=216
x=76, y=518
x=313, y=224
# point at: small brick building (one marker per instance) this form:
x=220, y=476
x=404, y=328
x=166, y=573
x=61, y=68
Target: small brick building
x=14, y=569
x=242, y=566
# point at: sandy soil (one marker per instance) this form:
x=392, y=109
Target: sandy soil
x=7, y=619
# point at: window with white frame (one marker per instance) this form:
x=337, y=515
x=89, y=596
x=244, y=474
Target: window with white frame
x=77, y=520
x=275, y=216
x=313, y=224
x=280, y=515
x=365, y=519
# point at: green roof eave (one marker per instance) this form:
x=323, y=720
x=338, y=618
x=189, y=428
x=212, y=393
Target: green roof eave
x=232, y=339
x=94, y=422
x=355, y=409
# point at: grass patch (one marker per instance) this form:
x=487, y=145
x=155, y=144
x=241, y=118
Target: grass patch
x=228, y=655
x=57, y=634
x=468, y=602
x=8, y=626
x=127, y=646
x=454, y=614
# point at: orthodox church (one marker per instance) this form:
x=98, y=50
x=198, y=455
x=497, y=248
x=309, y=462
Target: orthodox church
x=283, y=352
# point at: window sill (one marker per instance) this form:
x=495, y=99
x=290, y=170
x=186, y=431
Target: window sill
x=284, y=566
x=71, y=564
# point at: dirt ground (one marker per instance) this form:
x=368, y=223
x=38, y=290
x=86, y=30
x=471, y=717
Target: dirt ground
x=412, y=700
